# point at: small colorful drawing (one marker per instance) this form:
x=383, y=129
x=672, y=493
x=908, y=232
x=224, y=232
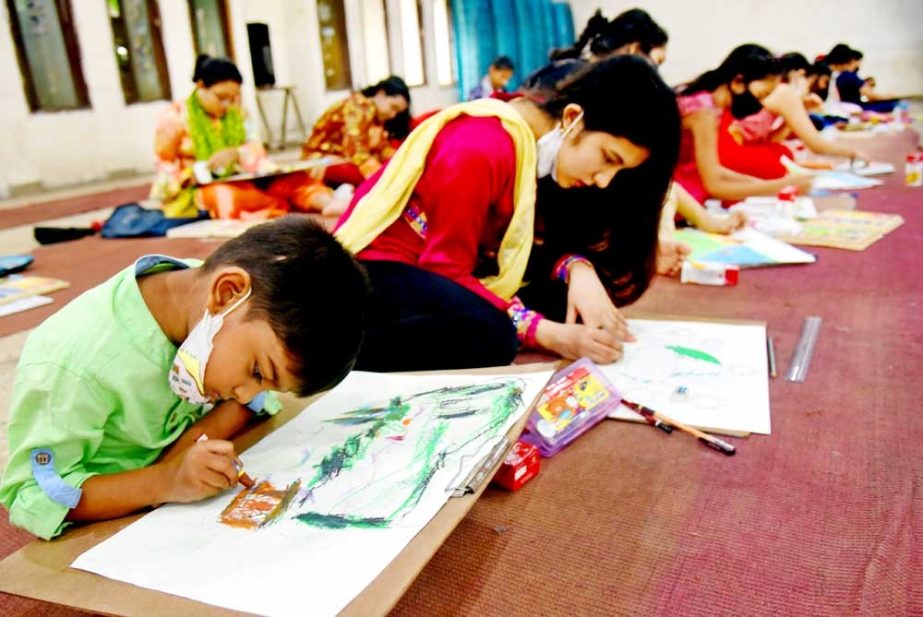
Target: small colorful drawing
x=747, y=248
x=846, y=229
x=258, y=506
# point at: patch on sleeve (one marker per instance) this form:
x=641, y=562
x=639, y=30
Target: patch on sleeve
x=50, y=482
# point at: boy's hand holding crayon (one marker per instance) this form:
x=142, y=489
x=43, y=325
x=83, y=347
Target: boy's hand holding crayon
x=205, y=469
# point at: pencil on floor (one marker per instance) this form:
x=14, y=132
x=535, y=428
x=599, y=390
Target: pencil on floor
x=771, y=351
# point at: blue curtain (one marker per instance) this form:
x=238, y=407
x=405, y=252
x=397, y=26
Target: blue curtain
x=564, y=35
x=524, y=30
x=531, y=36
x=475, y=41
x=507, y=33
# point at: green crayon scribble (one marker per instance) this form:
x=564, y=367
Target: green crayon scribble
x=495, y=401
x=696, y=354
x=341, y=521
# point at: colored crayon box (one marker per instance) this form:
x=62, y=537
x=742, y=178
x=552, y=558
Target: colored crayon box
x=521, y=465
x=576, y=399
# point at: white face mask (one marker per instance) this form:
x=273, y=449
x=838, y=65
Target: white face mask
x=549, y=145
x=187, y=377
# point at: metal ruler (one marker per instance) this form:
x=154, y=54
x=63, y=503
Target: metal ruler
x=801, y=359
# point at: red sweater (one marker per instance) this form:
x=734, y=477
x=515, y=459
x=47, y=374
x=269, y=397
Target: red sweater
x=466, y=196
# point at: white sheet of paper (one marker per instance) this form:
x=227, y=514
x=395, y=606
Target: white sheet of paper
x=212, y=228
x=875, y=168
x=757, y=208
x=842, y=180
x=723, y=368
x=23, y=304
x=370, y=481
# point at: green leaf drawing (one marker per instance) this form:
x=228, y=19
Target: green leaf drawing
x=694, y=353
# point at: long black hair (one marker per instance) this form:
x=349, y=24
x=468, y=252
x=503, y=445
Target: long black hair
x=545, y=82
x=616, y=227
x=211, y=71
x=841, y=54
x=750, y=61
x=793, y=61
x=398, y=127
x=392, y=86
x=604, y=37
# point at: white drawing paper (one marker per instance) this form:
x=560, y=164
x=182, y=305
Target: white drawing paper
x=704, y=374
x=23, y=304
x=341, y=490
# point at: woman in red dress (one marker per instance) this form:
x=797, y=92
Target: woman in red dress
x=445, y=230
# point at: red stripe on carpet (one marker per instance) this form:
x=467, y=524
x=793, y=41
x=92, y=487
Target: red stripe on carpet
x=44, y=211
x=88, y=262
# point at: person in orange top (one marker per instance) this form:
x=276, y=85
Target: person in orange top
x=353, y=132
x=207, y=134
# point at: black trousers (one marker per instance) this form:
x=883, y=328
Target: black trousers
x=419, y=320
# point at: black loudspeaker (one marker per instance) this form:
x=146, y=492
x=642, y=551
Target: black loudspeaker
x=261, y=55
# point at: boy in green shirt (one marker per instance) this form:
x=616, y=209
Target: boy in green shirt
x=106, y=412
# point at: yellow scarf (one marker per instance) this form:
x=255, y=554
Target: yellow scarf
x=385, y=202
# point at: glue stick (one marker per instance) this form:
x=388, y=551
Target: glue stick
x=704, y=273
x=785, y=201
x=913, y=169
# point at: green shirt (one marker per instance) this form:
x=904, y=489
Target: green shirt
x=91, y=388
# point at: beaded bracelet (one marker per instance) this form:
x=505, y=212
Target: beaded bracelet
x=525, y=321
x=561, y=271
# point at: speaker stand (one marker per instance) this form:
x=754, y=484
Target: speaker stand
x=288, y=100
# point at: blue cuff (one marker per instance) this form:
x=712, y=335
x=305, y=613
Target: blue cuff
x=53, y=485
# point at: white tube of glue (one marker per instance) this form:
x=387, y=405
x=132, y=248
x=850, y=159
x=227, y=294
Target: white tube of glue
x=704, y=273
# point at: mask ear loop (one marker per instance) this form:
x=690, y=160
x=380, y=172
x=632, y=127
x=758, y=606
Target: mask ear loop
x=564, y=133
x=572, y=125
x=238, y=302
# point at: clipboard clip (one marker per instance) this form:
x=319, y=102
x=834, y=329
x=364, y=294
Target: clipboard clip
x=476, y=477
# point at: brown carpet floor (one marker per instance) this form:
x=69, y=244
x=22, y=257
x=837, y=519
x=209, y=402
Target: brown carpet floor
x=88, y=262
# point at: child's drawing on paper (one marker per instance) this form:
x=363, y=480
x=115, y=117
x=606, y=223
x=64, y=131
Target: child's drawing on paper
x=656, y=360
x=708, y=374
x=381, y=458
x=342, y=489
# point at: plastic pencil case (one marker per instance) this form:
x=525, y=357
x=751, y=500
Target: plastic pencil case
x=576, y=399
